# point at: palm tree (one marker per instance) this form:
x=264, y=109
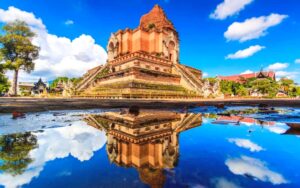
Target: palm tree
x=17, y=51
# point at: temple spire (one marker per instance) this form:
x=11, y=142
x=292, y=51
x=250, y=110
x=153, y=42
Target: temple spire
x=156, y=18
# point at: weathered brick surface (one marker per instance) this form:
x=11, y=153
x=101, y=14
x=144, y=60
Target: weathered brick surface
x=156, y=18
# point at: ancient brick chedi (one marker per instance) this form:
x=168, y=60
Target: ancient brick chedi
x=144, y=63
x=147, y=140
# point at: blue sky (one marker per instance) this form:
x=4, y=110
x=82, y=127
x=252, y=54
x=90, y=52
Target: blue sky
x=202, y=41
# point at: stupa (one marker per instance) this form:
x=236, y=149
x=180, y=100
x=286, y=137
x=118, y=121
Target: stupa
x=147, y=141
x=143, y=63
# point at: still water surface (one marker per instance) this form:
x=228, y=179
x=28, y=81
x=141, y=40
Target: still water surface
x=201, y=147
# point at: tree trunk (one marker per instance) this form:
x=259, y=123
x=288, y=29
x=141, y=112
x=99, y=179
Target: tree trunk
x=15, y=83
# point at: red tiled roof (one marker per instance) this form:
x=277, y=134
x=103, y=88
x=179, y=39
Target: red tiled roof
x=237, y=119
x=244, y=120
x=240, y=77
x=229, y=118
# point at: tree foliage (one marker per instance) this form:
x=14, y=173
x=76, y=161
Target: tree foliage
x=233, y=88
x=265, y=86
x=14, y=152
x=226, y=87
x=54, y=83
x=17, y=50
x=288, y=86
x=4, y=84
x=57, y=80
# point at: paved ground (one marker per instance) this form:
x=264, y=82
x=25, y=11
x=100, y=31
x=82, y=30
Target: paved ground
x=8, y=105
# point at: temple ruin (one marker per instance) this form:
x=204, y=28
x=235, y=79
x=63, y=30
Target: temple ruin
x=147, y=141
x=144, y=63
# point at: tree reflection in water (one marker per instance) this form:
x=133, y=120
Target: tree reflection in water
x=147, y=141
x=14, y=152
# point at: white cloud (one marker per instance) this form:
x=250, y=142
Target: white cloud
x=277, y=129
x=224, y=183
x=79, y=141
x=247, y=144
x=248, y=52
x=205, y=74
x=63, y=57
x=59, y=56
x=252, y=28
x=229, y=8
x=248, y=166
x=286, y=74
x=280, y=72
x=247, y=72
x=69, y=22
x=278, y=66
x=13, y=14
x=297, y=61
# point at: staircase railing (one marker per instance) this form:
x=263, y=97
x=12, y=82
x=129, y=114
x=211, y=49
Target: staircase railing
x=187, y=122
x=86, y=81
x=191, y=79
x=93, y=120
x=191, y=75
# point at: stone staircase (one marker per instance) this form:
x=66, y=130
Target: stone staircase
x=190, y=78
x=188, y=122
x=90, y=119
x=88, y=79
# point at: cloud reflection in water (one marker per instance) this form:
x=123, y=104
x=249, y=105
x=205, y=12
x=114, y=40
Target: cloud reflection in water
x=247, y=144
x=251, y=167
x=79, y=141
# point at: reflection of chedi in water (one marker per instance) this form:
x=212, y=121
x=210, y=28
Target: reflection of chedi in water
x=147, y=140
x=24, y=155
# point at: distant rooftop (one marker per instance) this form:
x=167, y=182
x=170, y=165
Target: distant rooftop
x=242, y=77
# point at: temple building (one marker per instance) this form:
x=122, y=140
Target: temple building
x=241, y=78
x=238, y=120
x=147, y=141
x=144, y=63
x=59, y=88
x=39, y=88
x=32, y=88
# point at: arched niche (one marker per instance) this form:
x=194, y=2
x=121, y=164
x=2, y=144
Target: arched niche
x=172, y=51
x=113, y=48
x=170, y=48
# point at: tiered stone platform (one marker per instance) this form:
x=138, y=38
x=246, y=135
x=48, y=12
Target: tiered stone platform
x=143, y=63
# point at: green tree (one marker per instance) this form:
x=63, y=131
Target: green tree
x=265, y=86
x=58, y=79
x=1, y=68
x=17, y=50
x=248, y=82
x=294, y=91
x=297, y=93
x=4, y=84
x=64, y=79
x=286, y=84
x=76, y=80
x=212, y=81
x=241, y=90
x=226, y=87
x=14, y=152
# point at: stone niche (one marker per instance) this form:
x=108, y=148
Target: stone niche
x=155, y=36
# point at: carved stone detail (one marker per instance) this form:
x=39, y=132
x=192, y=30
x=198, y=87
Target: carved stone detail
x=171, y=47
x=113, y=47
